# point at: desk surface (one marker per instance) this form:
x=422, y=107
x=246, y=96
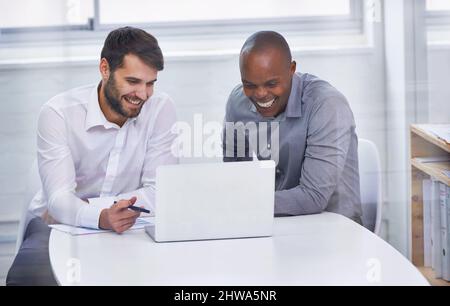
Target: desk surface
x=325, y=249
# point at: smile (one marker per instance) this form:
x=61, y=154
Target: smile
x=134, y=101
x=266, y=104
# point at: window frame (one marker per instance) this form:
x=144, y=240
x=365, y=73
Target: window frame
x=438, y=19
x=94, y=30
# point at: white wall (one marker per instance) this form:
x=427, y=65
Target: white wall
x=439, y=83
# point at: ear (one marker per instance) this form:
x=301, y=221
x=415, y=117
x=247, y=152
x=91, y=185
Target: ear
x=293, y=67
x=104, y=69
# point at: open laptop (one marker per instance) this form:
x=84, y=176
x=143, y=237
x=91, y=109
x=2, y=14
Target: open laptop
x=214, y=201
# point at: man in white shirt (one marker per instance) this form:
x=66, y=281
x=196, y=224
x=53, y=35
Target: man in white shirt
x=99, y=145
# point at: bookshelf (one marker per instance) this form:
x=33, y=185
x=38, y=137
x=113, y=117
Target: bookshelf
x=424, y=145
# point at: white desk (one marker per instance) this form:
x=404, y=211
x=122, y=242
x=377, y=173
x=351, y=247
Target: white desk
x=325, y=249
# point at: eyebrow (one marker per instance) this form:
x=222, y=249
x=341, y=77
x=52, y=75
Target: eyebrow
x=269, y=81
x=139, y=80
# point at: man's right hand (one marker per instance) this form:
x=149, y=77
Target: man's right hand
x=118, y=217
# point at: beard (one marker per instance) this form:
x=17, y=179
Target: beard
x=114, y=101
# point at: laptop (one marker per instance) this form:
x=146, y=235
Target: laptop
x=214, y=201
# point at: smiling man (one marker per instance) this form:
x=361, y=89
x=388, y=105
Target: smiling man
x=98, y=150
x=101, y=144
x=316, y=151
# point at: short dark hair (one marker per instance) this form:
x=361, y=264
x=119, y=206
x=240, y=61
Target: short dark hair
x=267, y=40
x=129, y=40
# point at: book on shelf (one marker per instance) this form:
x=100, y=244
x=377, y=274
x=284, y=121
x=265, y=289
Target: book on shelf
x=426, y=188
x=436, y=227
x=444, y=205
x=436, y=260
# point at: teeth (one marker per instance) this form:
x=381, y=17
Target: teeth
x=133, y=101
x=266, y=104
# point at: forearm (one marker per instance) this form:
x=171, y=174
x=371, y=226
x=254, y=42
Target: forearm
x=145, y=197
x=67, y=208
x=299, y=201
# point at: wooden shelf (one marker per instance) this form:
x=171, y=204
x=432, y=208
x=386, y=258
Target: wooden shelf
x=433, y=169
x=429, y=275
x=420, y=130
x=424, y=146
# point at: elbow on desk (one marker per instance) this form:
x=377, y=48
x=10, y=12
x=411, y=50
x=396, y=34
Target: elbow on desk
x=62, y=209
x=295, y=202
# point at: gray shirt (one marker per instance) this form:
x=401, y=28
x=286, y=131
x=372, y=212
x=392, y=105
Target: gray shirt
x=316, y=154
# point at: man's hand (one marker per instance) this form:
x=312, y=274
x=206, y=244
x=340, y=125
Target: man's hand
x=118, y=217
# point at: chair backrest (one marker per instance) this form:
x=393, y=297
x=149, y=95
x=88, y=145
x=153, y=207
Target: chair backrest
x=32, y=184
x=370, y=185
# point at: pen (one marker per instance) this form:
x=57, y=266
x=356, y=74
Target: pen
x=136, y=208
x=139, y=209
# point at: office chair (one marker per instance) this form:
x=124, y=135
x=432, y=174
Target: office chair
x=370, y=185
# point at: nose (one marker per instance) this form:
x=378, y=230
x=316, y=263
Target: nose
x=142, y=93
x=260, y=93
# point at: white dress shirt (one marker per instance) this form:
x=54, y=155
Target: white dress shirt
x=83, y=157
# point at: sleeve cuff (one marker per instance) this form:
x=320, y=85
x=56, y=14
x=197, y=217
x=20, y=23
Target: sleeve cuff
x=90, y=214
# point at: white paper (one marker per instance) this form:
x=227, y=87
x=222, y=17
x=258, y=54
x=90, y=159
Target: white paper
x=75, y=231
x=441, y=131
x=446, y=172
x=433, y=159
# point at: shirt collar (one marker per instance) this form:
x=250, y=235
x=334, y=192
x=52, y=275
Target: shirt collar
x=294, y=105
x=95, y=116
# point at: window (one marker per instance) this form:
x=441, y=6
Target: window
x=45, y=13
x=438, y=5
x=91, y=19
x=107, y=12
x=438, y=14
x=144, y=11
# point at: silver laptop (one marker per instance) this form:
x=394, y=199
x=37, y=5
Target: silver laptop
x=214, y=201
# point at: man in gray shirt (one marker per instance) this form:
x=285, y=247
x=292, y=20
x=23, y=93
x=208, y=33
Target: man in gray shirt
x=302, y=122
